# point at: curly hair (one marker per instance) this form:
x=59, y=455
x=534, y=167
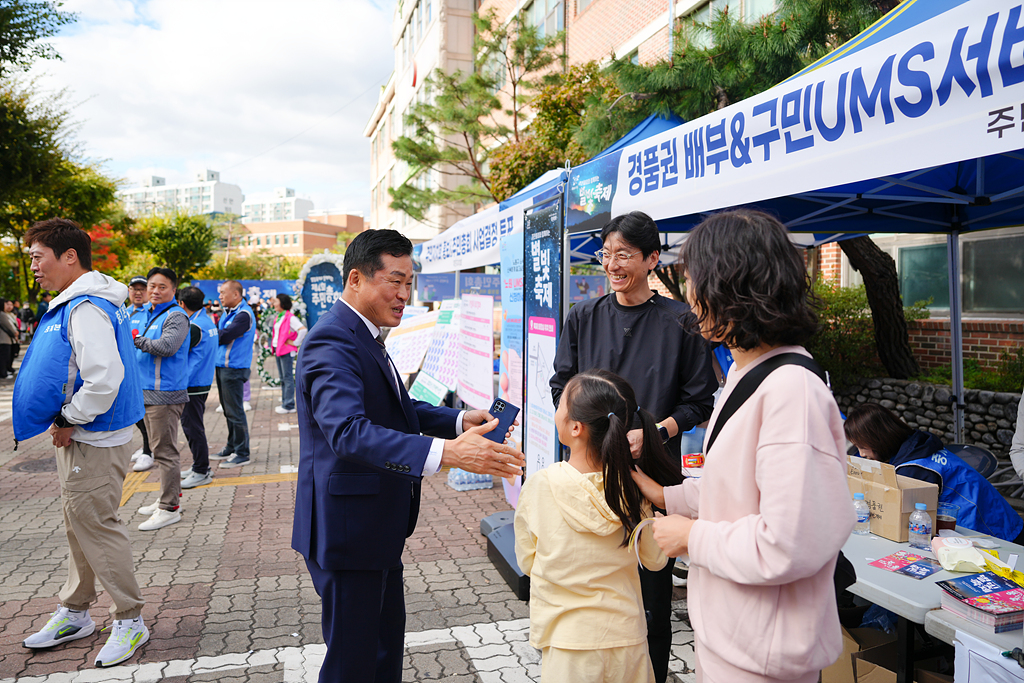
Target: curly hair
x=748, y=281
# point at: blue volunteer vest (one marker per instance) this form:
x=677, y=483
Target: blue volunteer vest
x=237, y=353
x=45, y=383
x=982, y=508
x=162, y=373
x=202, y=356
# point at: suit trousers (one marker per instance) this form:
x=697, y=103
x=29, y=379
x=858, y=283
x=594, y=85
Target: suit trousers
x=91, y=479
x=162, y=424
x=363, y=622
x=195, y=432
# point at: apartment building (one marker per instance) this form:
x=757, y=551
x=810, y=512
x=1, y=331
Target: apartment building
x=438, y=34
x=206, y=195
x=279, y=205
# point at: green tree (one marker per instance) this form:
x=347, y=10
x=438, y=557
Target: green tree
x=32, y=135
x=24, y=24
x=181, y=242
x=453, y=133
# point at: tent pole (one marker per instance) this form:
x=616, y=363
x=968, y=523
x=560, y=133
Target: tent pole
x=956, y=334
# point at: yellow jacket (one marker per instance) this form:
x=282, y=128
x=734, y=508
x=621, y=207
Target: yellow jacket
x=584, y=584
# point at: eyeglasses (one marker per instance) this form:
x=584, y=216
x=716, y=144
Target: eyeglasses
x=620, y=257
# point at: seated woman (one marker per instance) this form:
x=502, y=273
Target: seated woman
x=880, y=435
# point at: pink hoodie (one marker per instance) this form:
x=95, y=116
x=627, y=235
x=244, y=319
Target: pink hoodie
x=773, y=511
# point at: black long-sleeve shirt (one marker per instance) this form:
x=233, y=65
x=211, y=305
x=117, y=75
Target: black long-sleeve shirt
x=238, y=326
x=654, y=346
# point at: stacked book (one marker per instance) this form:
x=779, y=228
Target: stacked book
x=985, y=599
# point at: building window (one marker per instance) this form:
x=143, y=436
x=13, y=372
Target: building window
x=427, y=11
x=277, y=239
x=924, y=275
x=994, y=275
x=295, y=238
x=582, y=5
x=546, y=15
x=257, y=241
x=753, y=10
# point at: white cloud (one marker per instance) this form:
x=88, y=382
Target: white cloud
x=171, y=87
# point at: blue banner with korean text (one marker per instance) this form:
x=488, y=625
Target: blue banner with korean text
x=322, y=288
x=935, y=82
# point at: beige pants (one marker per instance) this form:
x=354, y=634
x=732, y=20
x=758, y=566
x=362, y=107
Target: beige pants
x=631, y=664
x=162, y=426
x=91, y=479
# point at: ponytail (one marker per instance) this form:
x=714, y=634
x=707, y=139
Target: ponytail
x=620, y=491
x=654, y=459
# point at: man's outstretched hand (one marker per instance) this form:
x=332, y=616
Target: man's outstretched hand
x=474, y=453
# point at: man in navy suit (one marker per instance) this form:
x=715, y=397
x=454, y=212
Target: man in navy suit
x=361, y=460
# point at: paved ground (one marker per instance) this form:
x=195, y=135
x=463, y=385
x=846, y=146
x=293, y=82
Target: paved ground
x=227, y=598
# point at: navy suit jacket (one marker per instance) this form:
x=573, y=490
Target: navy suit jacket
x=360, y=449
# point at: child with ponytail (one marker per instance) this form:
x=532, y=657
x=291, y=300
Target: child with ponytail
x=573, y=524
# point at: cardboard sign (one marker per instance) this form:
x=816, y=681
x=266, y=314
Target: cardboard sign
x=890, y=497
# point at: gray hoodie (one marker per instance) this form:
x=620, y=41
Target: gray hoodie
x=95, y=357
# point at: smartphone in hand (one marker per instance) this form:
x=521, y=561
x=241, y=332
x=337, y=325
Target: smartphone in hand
x=506, y=414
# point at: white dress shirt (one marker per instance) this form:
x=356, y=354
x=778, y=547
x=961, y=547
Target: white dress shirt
x=432, y=465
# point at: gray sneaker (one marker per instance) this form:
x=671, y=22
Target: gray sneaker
x=185, y=473
x=195, y=479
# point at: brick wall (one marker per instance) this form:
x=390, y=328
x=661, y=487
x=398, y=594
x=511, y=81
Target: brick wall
x=984, y=340
x=830, y=261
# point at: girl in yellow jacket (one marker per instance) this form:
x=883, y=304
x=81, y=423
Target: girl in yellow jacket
x=572, y=528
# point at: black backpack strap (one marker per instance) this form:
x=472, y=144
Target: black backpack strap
x=749, y=384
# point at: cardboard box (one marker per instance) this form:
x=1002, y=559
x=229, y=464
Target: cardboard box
x=890, y=496
x=878, y=665
x=854, y=640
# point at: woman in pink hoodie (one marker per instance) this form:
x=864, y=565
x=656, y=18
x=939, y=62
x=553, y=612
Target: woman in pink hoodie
x=765, y=522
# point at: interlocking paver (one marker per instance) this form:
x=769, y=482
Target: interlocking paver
x=225, y=593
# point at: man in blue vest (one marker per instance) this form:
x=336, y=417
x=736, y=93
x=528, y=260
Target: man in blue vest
x=202, y=353
x=236, y=332
x=163, y=363
x=138, y=295
x=85, y=335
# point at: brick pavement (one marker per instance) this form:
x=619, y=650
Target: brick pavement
x=227, y=598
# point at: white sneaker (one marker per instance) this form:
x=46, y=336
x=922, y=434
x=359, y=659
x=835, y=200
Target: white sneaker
x=136, y=454
x=159, y=520
x=246, y=406
x=185, y=473
x=220, y=409
x=148, y=510
x=281, y=410
x=144, y=463
x=64, y=625
x=195, y=479
x=126, y=636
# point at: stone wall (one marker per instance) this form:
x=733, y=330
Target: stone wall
x=989, y=420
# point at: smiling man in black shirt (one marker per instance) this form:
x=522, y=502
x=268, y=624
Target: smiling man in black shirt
x=652, y=342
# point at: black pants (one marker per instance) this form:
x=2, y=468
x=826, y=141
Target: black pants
x=5, y=359
x=656, y=588
x=195, y=432
x=141, y=424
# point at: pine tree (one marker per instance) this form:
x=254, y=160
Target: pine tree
x=468, y=116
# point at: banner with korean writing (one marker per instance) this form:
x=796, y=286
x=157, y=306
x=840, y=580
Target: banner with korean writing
x=476, y=351
x=510, y=369
x=435, y=287
x=322, y=288
x=590, y=193
x=407, y=344
x=470, y=243
x=542, y=307
x=264, y=290
x=933, y=83
x=440, y=369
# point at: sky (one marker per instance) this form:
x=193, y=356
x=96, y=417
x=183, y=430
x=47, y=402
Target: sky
x=270, y=93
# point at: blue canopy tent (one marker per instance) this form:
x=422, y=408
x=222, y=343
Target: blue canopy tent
x=916, y=125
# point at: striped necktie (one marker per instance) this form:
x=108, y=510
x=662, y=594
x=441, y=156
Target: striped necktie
x=387, y=361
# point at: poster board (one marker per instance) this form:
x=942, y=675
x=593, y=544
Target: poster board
x=476, y=351
x=543, y=313
x=440, y=368
x=407, y=344
x=510, y=369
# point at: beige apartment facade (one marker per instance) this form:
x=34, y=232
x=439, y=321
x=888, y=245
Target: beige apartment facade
x=297, y=238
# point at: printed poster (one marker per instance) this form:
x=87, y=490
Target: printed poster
x=476, y=351
x=542, y=310
x=510, y=369
x=407, y=344
x=441, y=363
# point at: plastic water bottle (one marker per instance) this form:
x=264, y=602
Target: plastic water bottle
x=863, y=526
x=460, y=480
x=921, y=528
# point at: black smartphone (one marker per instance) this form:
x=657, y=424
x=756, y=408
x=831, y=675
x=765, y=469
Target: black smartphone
x=506, y=414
